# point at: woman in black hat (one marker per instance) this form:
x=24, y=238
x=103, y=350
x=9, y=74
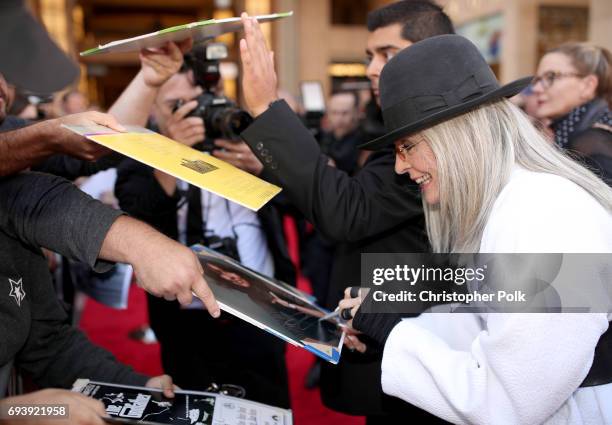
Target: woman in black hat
x=491, y=183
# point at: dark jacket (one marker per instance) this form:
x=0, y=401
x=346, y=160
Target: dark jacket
x=586, y=133
x=41, y=210
x=374, y=211
x=197, y=350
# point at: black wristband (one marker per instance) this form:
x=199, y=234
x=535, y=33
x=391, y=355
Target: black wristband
x=377, y=326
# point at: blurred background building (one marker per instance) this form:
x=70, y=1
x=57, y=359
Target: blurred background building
x=324, y=40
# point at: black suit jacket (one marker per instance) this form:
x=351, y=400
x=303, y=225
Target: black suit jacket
x=374, y=211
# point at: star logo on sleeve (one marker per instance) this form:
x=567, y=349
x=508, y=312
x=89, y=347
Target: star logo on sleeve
x=17, y=291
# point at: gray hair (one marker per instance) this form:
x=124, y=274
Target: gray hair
x=476, y=153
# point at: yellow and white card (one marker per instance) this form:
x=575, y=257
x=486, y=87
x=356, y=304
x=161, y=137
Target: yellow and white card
x=185, y=163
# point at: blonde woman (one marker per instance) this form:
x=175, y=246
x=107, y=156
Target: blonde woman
x=490, y=183
x=573, y=89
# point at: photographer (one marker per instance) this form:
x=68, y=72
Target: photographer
x=182, y=111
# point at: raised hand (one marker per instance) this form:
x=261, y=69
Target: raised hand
x=259, y=82
x=159, y=64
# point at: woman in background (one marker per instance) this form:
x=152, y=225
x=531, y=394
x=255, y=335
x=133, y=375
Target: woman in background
x=573, y=88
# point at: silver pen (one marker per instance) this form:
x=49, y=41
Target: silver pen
x=331, y=315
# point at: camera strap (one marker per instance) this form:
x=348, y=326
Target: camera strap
x=195, y=228
x=231, y=217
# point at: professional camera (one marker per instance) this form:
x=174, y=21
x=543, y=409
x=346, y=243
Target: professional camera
x=227, y=245
x=223, y=119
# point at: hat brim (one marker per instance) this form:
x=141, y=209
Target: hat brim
x=30, y=59
x=508, y=90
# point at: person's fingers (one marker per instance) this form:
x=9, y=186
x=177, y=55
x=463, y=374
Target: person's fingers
x=188, y=128
x=223, y=155
x=349, y=303
x=194, y=122
x=347, y=292
x=226, y=144
x=203, y=292
x=184, y=297
x=185, y=45
x=356, y=343
x=184, y=110
x=174, y=52
x=166, y=385
x=252, y=42
x=261, y=50
x=349, y=343
x=200, y=268
x=98, y=407
x=266, y=58
x=107, y=120
x=170, y=297
x=89, y=403
x=245, y=55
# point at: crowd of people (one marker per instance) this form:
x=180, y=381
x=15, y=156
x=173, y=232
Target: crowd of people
x=456, y=166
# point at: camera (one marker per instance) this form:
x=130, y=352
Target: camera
x=223, y=119
x=227, y=245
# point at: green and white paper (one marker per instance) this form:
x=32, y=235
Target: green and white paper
x=199, y=31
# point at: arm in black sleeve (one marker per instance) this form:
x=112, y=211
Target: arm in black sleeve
x=72, y=168
x=343, y=208
x=56, y=354
x=377, y=326
x=593, y=147
x=43, y=210
x=140, y=194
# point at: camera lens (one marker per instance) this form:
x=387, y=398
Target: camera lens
x=230, y=122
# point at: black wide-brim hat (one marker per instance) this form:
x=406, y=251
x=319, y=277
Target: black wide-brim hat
x=432, y=81
x=29, y=59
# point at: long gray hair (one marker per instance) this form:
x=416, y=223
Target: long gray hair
x=475, y=154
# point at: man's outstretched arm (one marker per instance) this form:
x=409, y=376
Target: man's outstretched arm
x=22, y=148
x=46, y=211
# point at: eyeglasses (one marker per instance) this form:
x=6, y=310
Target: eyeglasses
x=403, y=149
x=548, y=78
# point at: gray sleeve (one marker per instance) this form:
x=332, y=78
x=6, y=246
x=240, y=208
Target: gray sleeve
x=55, y=354
x=47, y=211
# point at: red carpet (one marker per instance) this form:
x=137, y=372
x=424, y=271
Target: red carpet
x=109, y=328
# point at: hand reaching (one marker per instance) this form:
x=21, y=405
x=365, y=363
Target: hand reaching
x=72, y=144
x=164, y=383
x=158, y=65
x=259, y=83
x=239, y=155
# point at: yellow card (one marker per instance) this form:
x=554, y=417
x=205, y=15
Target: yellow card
x=185, y=163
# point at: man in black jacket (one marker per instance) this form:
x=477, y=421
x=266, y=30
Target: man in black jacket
x=374, y=211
